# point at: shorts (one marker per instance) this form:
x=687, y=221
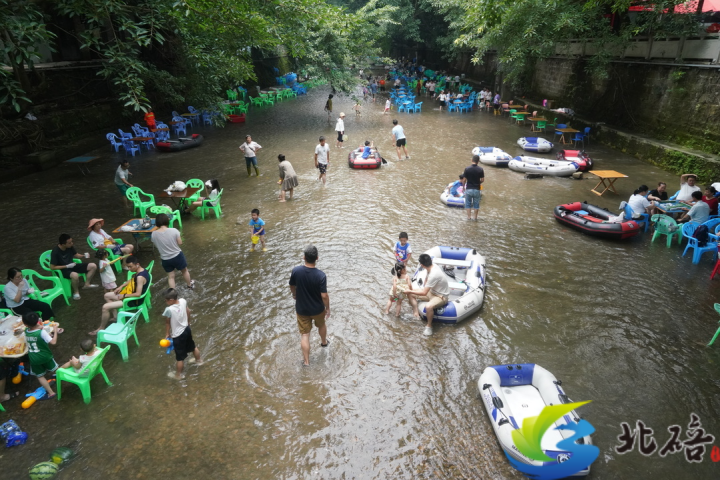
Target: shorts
x=322, y=167
x=496, y=106
x=434, y=301
x=40, y=369
x=79, y=268
x=400, y=142
x=305, y=322
x=442, y=103
x=8, y=368
x=209, y=203
x=177, y=263
x=472, y=198
x=251, y=161
x=109, y=285
x=340, y=137
x=122, y=187
x=183, y=344
x=116, y=249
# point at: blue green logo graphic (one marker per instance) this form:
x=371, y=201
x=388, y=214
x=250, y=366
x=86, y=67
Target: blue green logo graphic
x=574, y=458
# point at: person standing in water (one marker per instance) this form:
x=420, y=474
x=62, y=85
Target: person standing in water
x=250, y=149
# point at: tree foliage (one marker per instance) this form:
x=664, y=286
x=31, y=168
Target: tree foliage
x=193, y=50
x=525, y=31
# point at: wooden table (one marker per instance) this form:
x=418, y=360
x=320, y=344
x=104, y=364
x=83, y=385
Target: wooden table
x=610, y=175
x=564, y=131
x=193, y=116
x=82, y=163
x=138, y=234
x=521, y=113
x=185, y=194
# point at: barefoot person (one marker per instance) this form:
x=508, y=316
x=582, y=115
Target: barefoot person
x=308, y=286
x=398, y=135
x=177, y=327
x=133, y=288
x=322, y=159
x=63, y=258
x=288, y=179
x=167, y=241
x=435, y=292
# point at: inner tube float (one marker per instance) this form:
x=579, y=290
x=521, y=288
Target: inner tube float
x=535, y=144
x=180, y=144
x=355, y=159
x=594, y=220
x=512, y=393
x=492, y=156
x=542, y=166
x=584, y=162
x=465, y=269
x=450, y=200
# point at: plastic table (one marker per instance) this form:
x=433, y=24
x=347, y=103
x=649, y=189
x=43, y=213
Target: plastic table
x=611, y=176
x=82, y=163
x=138, y=233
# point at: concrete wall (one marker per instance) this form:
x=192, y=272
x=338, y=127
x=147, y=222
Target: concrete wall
x=677, y=104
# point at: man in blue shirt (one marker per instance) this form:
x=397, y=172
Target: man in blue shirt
x=308, y=286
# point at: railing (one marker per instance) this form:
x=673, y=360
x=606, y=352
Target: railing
x=703, y=50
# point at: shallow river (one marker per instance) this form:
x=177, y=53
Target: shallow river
x=622, y=324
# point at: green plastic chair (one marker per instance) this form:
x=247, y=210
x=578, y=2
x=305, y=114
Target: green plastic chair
x=266, y=99
x=111, y=255
x=231, y=94
x=257, y=101
x=208, y=208
x=144, y=304
x=540, y=126
x=47, y=295
x=195, y=183
x=666, y=225
x=552, y=126
x=119, y=333
x=83, y=378
x=133, y=194
x=174, y=214
x=65, y=282
x=717, y=309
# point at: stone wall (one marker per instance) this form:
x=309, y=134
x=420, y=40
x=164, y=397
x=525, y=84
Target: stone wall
x=680, y=105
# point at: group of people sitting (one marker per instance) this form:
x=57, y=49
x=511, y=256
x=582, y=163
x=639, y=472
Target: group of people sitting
x=701, y=205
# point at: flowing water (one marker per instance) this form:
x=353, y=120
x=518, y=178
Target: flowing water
x=621, y=323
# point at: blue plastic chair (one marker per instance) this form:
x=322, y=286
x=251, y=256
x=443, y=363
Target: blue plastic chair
x=579, y=137
x=630, y=215
x=206, y=118
x=130, y=147
x=451, y=107
x=178, y=127
x=675, y=195
x=124, y=134
x=688, y=230
x=559, y=125
x=162, y=136
x=712, y=224
x=586, y=135
x=401, y=107
x=115, y=142
x=418, y=107
x=175, y=115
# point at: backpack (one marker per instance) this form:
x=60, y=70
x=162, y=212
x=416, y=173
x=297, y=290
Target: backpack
x=701, y=235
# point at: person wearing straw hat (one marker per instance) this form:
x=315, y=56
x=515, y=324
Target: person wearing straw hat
x=340, y=129
x=101, y=240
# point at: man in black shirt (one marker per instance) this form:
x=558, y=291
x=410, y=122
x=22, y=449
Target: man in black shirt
x=474, y=177
x=63, y=258
x=659, y=194
x=312, y=303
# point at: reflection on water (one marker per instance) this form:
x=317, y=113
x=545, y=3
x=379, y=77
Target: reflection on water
x=622, y=324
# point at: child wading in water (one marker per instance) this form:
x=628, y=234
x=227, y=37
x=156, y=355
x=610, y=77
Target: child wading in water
x=177, y=326
x=402, y=249
x=257, y=227
x=401, y=282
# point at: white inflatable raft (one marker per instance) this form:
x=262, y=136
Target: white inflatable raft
x=543, y=166
x=535, y=144
x=450, y=200
x=512, y=393
x=465, y=269
x=492, y=156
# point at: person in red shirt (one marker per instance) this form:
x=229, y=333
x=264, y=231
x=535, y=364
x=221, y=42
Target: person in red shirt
x=711, y=200
x=150, y=120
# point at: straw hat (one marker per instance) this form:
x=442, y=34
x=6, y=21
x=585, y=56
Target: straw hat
x=94, y=221
x=342, y=114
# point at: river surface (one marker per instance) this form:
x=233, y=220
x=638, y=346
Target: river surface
x=623, y=324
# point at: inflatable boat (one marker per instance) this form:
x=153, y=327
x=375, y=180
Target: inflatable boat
x=595, y=221
x=355, y=159
x=543, y=166
x=465, y=269
x=584, y=162
x=513, y=393
x=450, y=200
x=535, y=144
x=492, y=156
x=180, y=143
